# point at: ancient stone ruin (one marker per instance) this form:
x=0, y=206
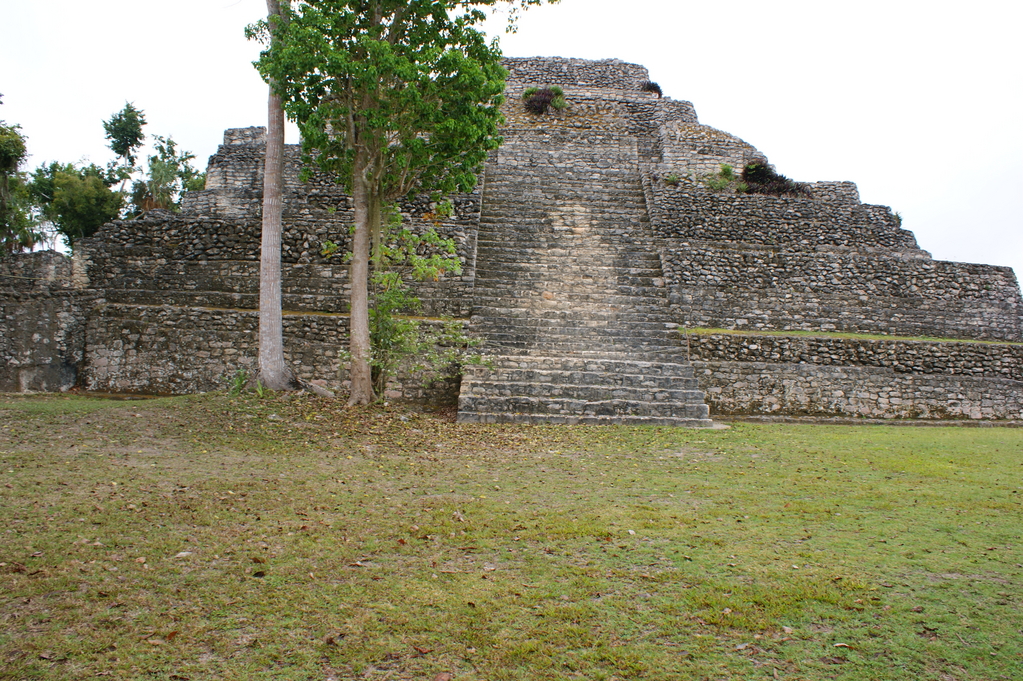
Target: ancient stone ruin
x=611, y=281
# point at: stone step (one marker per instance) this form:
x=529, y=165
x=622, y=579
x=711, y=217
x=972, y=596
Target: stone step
x=547, y=347
x=609, y=295
x=567, y=225
x=611, y=361
x=543, y=259
x=589, y=393
x=554, y=329
x=549, y=281
x=595, y=335
x=581, y=321
x=498, y=338
x=565, y=406
x=520, y=316
x=537, y=178
x=480, y=375
x=532, y=240
x=604, y=264
x=572, y=331
x=516, y=183
x=538, y=419
x=555, y=192
x=570, y=297
x=531, y=248
x=594, y=213
x=541, y=307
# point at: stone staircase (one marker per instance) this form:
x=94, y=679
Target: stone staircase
x=570, y=297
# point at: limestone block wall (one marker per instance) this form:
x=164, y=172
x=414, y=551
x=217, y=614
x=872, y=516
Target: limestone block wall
x=897, y=355
x=174, y=350
x=827, y=219
x=747, y=374
x=209, y=254
x=691, y=148
x=825, y=262
x=774, y=389
x=610, y=74
x=720, y=285
x=42, y=316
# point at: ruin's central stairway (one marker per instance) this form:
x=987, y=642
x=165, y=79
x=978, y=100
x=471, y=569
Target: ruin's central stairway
x=569, y=295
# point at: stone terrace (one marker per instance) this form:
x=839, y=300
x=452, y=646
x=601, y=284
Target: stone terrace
x=581, y=265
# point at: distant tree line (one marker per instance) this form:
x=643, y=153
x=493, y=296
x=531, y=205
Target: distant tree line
x=68, y=201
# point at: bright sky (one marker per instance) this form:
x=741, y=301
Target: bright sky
x=920, y=103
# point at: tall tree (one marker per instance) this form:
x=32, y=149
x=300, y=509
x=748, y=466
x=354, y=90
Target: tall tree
x=124, y=130
x=392, y=97
x=273, y=372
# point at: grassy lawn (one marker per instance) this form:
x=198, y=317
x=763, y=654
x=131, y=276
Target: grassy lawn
x=213, y=537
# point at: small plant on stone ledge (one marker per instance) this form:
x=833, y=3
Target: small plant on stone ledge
x=672, y=180
x=650, y=86
x=538, y=100
x=760, y=178
x=724, y=179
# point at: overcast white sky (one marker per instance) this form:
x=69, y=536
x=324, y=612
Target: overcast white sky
x=920, y=103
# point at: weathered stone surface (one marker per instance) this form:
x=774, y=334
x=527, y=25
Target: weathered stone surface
x=761, y=388
x=42, y=321
x=580, y=265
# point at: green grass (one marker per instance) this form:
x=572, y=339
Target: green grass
x=211, y=538
x=838, y=334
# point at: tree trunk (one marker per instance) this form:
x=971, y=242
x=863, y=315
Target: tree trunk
x=273, y=372
x=360, y=373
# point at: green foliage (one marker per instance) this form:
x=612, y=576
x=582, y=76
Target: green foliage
x=12, y=148
x=539, y=100
x=415, y=89
x=168, y=175
x=329, y=248
x=724, y=180
x=672, y=180
x=398, y=340
x=76, y=200
x=721, y=180
x=238, y=382
x=760, y=178
x=17, y=226
x=124, y=130
x=261, y=391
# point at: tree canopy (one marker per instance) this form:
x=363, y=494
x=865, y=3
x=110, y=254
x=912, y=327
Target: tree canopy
x=77, y=200
x=17, y=226
x=124, y=130
x=169, y=174
x=392, y=98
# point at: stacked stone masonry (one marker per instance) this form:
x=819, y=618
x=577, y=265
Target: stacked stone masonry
x=581, y=263
x=42, y=316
